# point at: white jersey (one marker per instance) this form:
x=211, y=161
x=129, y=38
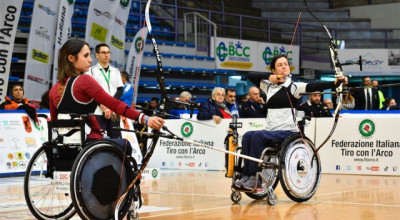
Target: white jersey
x=109, y=80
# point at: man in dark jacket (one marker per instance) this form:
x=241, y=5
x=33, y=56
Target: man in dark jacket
x=314, y=107
x=254, y=107
x=368, y=98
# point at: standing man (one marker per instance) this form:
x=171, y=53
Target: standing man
x=382, y=99
x=254, y=107
x=367, y=98
x=230, y=102
x=314, y=107
x=109, y=78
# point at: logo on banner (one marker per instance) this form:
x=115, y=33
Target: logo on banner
x=117, y=42
x=42, y=31
x=70, y=2
x=139, y=44
x=27, y=124
x=125, y=122
x=40, y=56
x=238, y=56
x=154, y=173
x=47, y=10
x=367, y=128
x=124, y=3
x=98, y=32
x=187, y=129
x=268, y=54
x=106, y=14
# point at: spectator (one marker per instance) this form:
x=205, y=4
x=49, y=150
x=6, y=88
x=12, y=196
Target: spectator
x=314, y=107
x=153, y=107
x=183, y=97
x=230, y=102
x=329, y=104
x=348, y=102
x=110, y=80
x=367, y=98
x=375, y=84
x=127, y=96
x=392, y=105
x=18, y=102
x=254, y=107
x=214, y=108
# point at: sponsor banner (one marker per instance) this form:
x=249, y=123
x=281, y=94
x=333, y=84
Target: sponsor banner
x=100, y=19
x=127, y=123
x=376, y=61
x=116, y=35
x=243, y=55
x=63, y=31
x=361, y=144
x=19, y=139
x=134, y=61
x=266, y=51
x=174, y=154
x=39, y=56
x=9, y=17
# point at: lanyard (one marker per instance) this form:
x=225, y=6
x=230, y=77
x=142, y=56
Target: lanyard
x=107, y=79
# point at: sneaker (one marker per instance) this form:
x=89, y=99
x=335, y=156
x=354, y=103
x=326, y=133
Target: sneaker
x=250, y=183
x=239, y=183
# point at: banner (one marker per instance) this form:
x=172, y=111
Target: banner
x=116, y=37
x=244, y=55
x=9, y=17
x=135, y=58
x=100, y=19
x=63, y=31
x=127, y=123
x=40, y=49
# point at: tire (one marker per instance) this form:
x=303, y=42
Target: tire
x=95, y=180
x=299, y=179
x=39, y=191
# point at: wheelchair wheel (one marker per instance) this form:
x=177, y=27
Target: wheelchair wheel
x=271, y=175
x=97, y=183
x=40, y=195
x=299, y=175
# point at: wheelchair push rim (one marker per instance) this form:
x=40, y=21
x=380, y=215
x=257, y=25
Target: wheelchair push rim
x=299, y=175
x=87, y=190
x=39, y=190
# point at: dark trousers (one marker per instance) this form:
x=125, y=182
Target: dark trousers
x=253, y=144
x=107, y=125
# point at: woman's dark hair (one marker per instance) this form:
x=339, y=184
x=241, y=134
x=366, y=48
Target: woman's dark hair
x=65, y=67
x=273, y=61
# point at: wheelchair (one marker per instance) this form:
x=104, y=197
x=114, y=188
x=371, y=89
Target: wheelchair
x=290, y=162
x=66, y=176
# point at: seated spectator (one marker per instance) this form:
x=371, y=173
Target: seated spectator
x=127, y=96
x=230, y=102
x=391, y=105
x=183, y=97
x=314, y=107
x=214, y=108
x=152, y=107
x=254, y=107
x=329, y=104
x=18, y=102
x=348, y=102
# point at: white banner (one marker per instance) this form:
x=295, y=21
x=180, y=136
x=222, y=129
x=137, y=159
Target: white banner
x=9, y=17
x=376, y=61
x=116, y=37
x=63, y=31
x=361, y=144
x=135, y=58
x=100, y=19
x=126, y=123
x=40, y=48
x=243, y=55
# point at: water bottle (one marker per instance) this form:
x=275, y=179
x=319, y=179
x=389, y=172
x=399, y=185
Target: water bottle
x=234, y=111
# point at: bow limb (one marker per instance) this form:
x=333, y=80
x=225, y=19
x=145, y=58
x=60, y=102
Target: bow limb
x=338, y=74
x=155, y=139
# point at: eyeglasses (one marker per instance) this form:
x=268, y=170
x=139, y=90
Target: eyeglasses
x=105, y=52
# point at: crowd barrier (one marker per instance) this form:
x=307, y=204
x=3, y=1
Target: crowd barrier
x=363, y=143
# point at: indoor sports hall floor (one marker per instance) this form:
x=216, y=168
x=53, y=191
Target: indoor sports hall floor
x=206, y=195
